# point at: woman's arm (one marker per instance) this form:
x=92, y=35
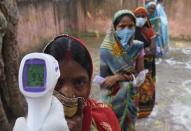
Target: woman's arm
x=114, y=79
x=153, y=45
x=105, y=72
x=151, y=50
x=155, y=19
x=140, y=62
x=110, y=78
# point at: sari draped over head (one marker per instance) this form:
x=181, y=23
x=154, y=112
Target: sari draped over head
x=164, y=26
x=147, y=89
x=96, y=116
x=147, y=33
x=115, y=59
x=160, y=23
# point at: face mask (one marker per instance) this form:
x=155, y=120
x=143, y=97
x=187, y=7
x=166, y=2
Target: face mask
x=124, y=36
x=140, y=22
x=70, y=104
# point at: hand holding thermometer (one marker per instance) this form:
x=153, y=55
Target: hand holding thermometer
x=38, y=75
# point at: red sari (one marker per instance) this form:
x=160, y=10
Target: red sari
x=103, y=116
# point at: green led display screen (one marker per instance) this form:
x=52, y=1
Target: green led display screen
x=35, y=75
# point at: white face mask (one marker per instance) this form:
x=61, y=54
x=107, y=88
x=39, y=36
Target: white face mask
x=140, y=22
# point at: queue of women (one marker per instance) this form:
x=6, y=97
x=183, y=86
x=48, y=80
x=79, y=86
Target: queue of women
x=127, y=66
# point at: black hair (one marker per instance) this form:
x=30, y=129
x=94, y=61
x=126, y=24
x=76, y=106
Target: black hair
x=117, y=21
x=159, y=1
x=60, y=47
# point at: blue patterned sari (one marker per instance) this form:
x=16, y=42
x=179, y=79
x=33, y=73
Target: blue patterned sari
x=115, y=59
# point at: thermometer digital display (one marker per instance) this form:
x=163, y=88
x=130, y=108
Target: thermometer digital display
x=34, y=75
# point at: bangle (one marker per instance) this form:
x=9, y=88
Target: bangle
x=132, y=75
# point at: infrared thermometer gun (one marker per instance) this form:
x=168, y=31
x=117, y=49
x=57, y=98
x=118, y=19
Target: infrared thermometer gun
x=38, y=75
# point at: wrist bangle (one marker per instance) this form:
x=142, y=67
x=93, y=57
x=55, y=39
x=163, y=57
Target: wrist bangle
x=132, y=75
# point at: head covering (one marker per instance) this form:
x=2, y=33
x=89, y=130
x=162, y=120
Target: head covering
x=149, y=4
x=122, y=12
x=149, y=32
x=143, y=11
x=139, y=10
x=158, y=1
x=110, y=38
x=77, y=40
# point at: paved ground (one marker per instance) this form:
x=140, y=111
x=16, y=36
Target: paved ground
x=172, y=111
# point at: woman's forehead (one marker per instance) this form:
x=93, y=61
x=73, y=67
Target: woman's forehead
x=71, y=69
x=140, y=14
x=152, y=6
x=127, y=20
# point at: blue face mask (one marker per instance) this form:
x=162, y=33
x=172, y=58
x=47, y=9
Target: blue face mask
x=124, y=36
x=140, y=22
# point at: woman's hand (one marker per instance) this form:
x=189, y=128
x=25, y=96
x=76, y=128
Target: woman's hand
x=148, y=53
x=157, y=34
x=110, y=81
x=75, y=123
x=114, y=79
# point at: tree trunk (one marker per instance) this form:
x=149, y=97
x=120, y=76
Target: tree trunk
x=4, y=124
x=11, y=102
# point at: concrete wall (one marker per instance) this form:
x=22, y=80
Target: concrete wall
x=179, y=18
x=39, y=20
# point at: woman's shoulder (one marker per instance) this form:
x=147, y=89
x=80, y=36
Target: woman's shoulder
x=116, y=50
x=102, y=109
x=103, y=116
x=97, y=104
x=105, y=53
